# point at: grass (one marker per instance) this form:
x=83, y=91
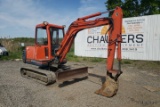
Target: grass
x=127, y=61
x=150, y=65
x=143, y=65
x=12, y=56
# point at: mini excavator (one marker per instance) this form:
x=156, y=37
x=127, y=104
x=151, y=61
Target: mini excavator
x=49, y=51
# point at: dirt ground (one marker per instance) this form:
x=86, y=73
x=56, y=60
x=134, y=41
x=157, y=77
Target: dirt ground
x=137, y=88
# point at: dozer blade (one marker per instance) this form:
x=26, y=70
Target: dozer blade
x=109, y=88
x=42, y=76
x=71, y=74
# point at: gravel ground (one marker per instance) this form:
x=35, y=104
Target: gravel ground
x=137, y=88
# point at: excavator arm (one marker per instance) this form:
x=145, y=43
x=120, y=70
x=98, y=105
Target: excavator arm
x=115, y=38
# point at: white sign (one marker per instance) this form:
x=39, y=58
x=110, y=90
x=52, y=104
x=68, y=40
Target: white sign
x=133, y=32
x=137, y=37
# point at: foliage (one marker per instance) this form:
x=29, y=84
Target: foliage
x=150, y=7
x=133, y=8
x=24, y=40
x=12, y=56
x=14, y=47
x=111, y=4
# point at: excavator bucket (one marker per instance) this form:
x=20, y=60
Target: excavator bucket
x=109, y=88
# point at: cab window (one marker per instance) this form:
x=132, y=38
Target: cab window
x=42, y=36
x=56, y=34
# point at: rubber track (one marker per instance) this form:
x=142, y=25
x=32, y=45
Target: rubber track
x=42, y=76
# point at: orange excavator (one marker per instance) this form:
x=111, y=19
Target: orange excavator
x=50, y=55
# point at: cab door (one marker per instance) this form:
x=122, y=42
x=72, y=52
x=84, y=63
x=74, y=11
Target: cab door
x=55, y=40
x=42, y=44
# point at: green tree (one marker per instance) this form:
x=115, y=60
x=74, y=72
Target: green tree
x=111, y=4
x=150, y=7
x=133, y=8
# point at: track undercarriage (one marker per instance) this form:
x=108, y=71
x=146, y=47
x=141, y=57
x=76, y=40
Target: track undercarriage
x=52, y=75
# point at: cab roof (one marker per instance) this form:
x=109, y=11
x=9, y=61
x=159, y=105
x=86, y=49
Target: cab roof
x=50, y=25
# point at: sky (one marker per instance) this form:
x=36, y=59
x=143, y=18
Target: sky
x=18, y=18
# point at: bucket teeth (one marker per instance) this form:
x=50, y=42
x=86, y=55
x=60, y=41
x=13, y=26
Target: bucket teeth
x=109, y=88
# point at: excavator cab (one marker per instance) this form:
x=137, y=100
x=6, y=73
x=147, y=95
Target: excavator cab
x=49, y=35
x=47, y=42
